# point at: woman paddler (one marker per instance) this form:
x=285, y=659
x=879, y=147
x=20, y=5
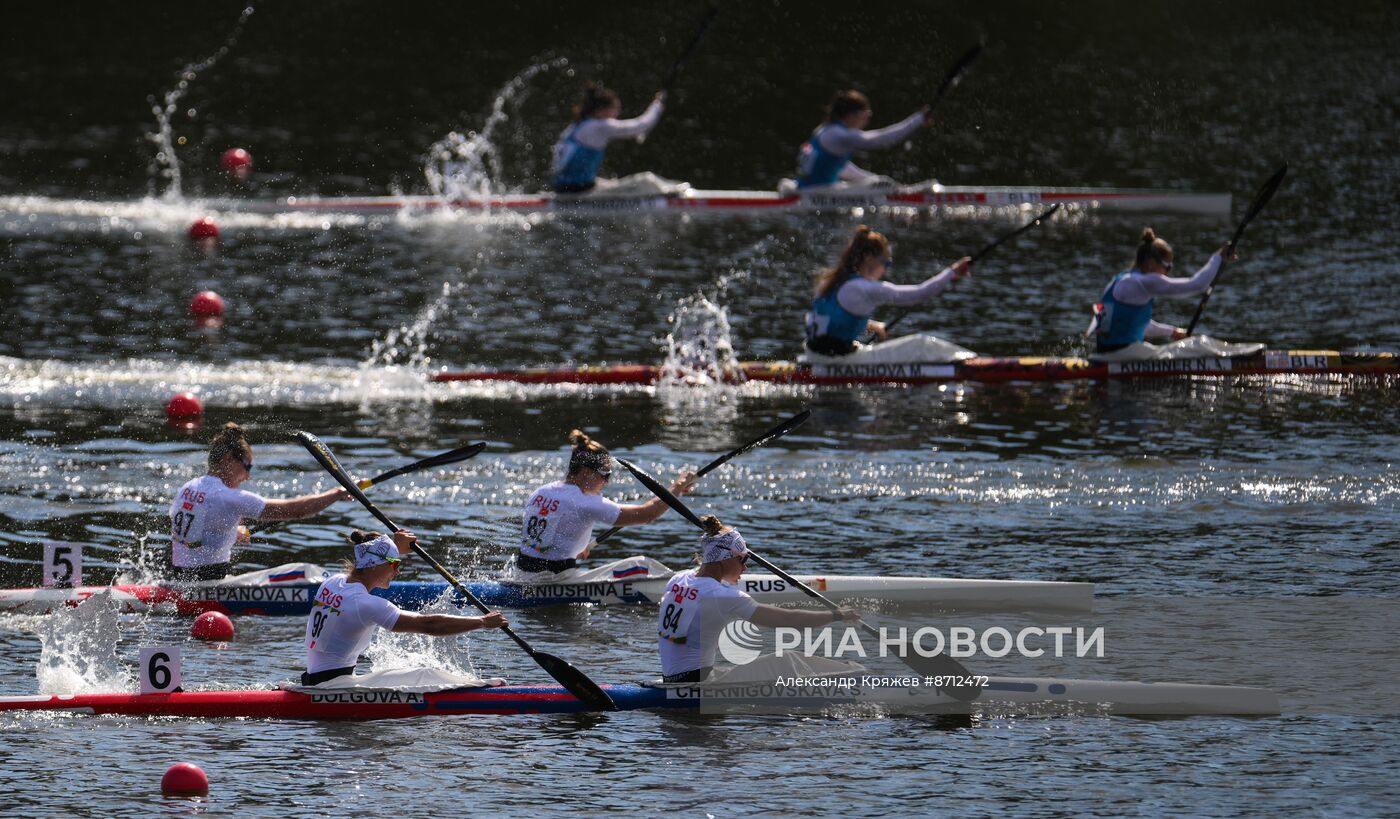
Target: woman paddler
x=825, y=158
x=579, y=152
x=344, y=612
x=207, y=513
x=848, y=293
x=559, y=518
x=1124, y=315
x=700, y=602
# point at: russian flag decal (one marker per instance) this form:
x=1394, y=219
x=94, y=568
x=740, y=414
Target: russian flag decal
x=299, y=574
x=630, y=571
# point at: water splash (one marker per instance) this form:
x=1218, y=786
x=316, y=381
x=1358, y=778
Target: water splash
x=698, y=347
x=392, y=651
x=469, y=165
x=78, y=652
x=165, y=163
x=407, y=345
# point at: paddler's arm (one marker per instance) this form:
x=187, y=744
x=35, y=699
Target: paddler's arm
x=446, y=625
x=638, y=126
x=636, y=514
x=773, y=617
x=302, y=507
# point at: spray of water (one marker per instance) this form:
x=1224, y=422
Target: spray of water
x=393, y=651
x=469, y=165
x=407, y=345
x=698, y=347
x=78, y=651
x=166, y=164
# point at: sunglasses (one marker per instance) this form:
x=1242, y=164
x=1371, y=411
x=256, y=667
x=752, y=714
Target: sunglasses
x=744, y=558
x=247, y=466
x=888, y=263
x=605, y=474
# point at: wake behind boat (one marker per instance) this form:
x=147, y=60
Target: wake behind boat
x=828, y=372
x=287, y=591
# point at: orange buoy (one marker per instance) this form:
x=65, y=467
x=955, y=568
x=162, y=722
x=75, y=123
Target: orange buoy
x=205, y=228
x=184, y=779
x=207, y=304
x=236, y=162
x=184, y=406
x=212, y=625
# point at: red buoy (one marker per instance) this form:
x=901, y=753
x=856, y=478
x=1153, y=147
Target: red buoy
x=184, y=406
x=205, y=228
x=212, y=625
x=184, y=779
x=207, y=304
x=236, y=161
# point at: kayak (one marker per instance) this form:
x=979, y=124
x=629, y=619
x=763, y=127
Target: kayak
x=982, y=368
x=1000, y=694
x=919, y=197
x=288, y=591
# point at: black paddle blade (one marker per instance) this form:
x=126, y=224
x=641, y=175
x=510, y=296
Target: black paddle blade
x=955, y=74
x=941, y=665
x=776, y=432
x=1266, y=192
x=578, y=683
x=660, y=491
x=442, y=459
x=328, y=462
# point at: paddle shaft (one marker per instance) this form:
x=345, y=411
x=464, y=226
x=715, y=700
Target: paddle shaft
x=1260, y=200
x=1005, y=237
x=699, y=35
x=453, y=456
x=955, y=75
x=776, y=432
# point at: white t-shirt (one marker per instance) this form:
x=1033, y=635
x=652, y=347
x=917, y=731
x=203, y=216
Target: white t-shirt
x=559, y=519
x=204, y=520
x=342, y=623
x=692, y=614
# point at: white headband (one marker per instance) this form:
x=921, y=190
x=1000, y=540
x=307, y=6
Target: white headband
x=374, y=552
x=723, y=546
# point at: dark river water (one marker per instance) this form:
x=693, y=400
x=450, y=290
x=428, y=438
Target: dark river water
x=1225, y=498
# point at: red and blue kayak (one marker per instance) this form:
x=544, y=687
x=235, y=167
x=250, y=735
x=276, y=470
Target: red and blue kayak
x=999, y=694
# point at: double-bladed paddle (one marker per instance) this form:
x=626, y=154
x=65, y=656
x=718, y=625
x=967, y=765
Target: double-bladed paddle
x=571, y=678
x=776, y=432
x=939, y=665
x=1260, y=200
x=1005, y=237
x=452, y=456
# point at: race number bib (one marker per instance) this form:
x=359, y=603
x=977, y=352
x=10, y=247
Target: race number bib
x=678, y=611
x=187, y=522
x=63, y=564
x=160, y=669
